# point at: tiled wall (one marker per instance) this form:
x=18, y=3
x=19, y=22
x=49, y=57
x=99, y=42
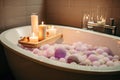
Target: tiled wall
x=70, y=12
x=15, y=13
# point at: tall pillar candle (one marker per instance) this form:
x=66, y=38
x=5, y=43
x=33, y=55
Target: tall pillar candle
x=34, y=24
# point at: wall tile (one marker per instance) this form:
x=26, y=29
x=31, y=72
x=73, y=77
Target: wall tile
x=17, y=12
x=66, y=12
x=34, y=2
x=1, y=16
x=115, y=3
x=77, y=3
x=11, y=12
x=70, y=12
x=57, y=3
x=35, y=9
x=15, y=22
x=1, y=3
x=14, y=3
x=0, y=11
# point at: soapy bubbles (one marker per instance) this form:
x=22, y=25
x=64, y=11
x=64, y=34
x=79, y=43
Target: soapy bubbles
x=60, y=53
x=78, y=53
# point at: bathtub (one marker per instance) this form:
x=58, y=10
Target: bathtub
x=27, y=66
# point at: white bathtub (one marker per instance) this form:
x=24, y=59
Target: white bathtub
x=28, y=66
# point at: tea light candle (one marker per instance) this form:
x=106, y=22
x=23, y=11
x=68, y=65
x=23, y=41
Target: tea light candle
x=33, y=38
x=99, y=22
x=42, y=31
x=34, y=24
x=51, y=31
x=102, y=22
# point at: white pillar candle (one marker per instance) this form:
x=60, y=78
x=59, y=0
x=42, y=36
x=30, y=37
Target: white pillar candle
x=33, y=38
x=51, y=31
x=34, y=24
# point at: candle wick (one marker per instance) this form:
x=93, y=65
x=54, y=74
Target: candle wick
x=42, y=22
x=52, y=27
x=33, y=34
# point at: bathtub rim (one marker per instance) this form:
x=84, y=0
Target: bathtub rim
x=59, y=66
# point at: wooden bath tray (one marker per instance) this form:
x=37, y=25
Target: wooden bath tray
x=48, y=40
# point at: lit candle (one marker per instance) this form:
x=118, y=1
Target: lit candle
x=34, y=24
x=102, y=21
x=51, y=31
x=87, y=17
x=99, y=22
x=33, y=38
x=42, y=31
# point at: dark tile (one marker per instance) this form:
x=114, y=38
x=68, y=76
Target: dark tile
x=1, y=15
x=115, y=3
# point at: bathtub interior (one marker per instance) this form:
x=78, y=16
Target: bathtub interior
x=70, y=35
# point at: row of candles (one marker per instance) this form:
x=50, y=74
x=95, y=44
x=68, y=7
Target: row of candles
x=40, y=32
x=90, y=20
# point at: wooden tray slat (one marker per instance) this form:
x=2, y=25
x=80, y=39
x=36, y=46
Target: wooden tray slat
x=51, y=39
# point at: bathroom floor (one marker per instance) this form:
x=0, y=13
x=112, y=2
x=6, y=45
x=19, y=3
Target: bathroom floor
x=7, y=77
x=5, y=72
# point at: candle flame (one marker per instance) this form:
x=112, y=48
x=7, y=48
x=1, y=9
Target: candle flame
x=42, y=22
x=87, y=17
x=33, y=34
x=52, y=27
